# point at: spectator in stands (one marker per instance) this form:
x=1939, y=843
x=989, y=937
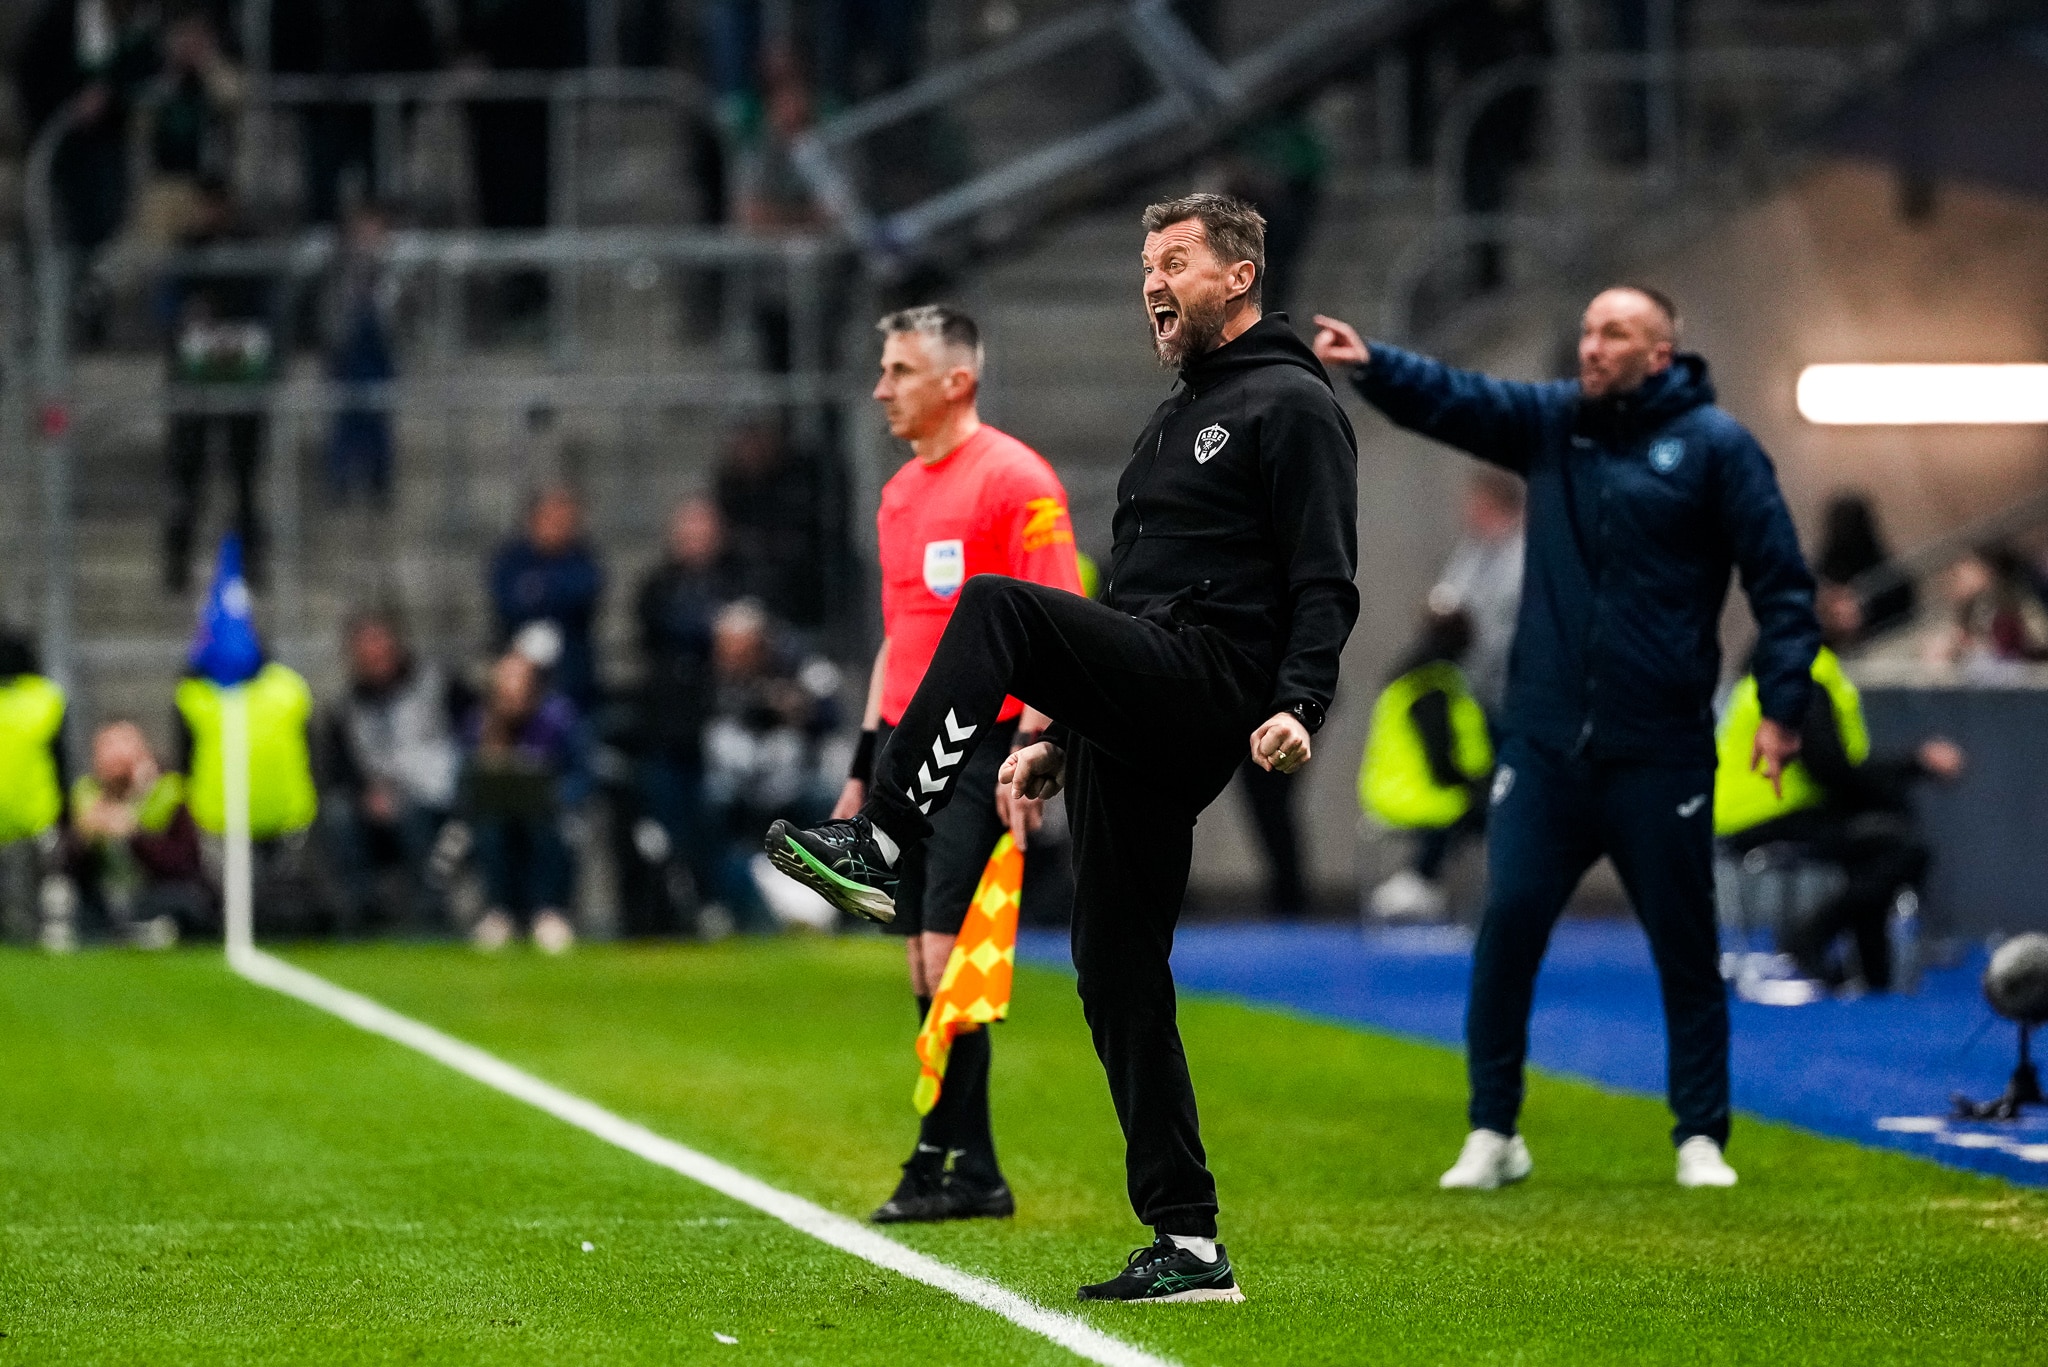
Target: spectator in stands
x=32, y=781
x=524, y=769
x=550, y=574
x=1458, y=42
x=134, y=846
x=732, y=42
x=772, y=707
x=1278, y=164
x=785, y=514
x=1483, y=579
x=867, y=48
x=1430, y=739
x=773, y=195
x=191, y=141
x=677, y=607
x=509, y=139
x=102, y=52
x=391, y=761
x=224, y=334
x=1847, y=806
x=358, y=325
x=342, y=38
x=1852, y=546
x=1994, y=615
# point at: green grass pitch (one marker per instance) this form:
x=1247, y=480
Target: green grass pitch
x=197, y=1170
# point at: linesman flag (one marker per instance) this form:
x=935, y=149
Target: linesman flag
x=976, y=987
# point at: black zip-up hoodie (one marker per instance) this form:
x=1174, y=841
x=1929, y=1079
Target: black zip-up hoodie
x=1239, y=511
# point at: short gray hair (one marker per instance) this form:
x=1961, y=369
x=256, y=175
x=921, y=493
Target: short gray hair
x=942, y=323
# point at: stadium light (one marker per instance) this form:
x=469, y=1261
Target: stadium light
x=1923, y=395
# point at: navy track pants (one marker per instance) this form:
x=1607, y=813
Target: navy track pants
x=1553, y=815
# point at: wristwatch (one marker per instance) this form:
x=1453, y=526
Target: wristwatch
x=1309, y=714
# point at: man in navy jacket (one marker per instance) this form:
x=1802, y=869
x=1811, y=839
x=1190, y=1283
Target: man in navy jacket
x=1642, y=496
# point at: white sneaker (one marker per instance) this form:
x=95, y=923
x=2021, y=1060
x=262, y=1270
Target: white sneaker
x=1700, y=1164
x=492, y=931
x=1488, y=1160
x=1408, y=896
x=552, y=933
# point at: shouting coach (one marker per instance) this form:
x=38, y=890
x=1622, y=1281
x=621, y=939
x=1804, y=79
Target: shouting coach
x=1642, y=495
x=1228, y=602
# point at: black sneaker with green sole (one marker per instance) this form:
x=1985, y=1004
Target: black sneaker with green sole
x=839, y=861
x=1164, y=1271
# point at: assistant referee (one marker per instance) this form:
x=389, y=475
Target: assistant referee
x=972, y=500
x=1642, y=496
x=1228, y=602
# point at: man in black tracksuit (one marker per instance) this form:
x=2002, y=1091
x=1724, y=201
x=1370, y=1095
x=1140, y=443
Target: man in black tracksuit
x=1228, y=602
x=1642, y=496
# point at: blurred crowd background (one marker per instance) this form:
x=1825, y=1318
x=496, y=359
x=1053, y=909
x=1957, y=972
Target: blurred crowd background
x=525, y=346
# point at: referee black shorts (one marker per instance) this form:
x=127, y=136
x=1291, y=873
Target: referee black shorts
x=937, y=880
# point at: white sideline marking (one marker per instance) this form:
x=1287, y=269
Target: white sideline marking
x=1078, y=1337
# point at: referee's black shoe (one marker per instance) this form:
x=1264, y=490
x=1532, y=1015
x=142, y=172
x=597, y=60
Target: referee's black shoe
x=840, y=861
x=922, y=1198
x=1164, y=1271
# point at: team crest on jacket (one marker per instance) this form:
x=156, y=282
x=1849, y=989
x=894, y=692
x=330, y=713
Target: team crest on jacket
x=1208, y=442
x=1665, y=453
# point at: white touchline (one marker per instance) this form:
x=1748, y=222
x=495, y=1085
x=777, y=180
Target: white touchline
x=1078, y=1337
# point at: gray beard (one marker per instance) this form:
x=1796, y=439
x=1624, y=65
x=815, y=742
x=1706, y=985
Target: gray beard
x=1198, y=335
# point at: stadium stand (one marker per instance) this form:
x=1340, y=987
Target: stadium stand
x=668, y=320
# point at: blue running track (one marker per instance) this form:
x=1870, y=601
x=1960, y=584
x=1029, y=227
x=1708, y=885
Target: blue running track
x=1879, y=1070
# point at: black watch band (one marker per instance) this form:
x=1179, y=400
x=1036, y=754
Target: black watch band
x=1309, y=714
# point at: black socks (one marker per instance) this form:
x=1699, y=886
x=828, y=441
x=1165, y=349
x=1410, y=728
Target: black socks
x=958, y=1124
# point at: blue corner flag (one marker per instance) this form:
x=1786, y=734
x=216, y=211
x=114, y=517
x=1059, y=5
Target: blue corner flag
x=225, y=649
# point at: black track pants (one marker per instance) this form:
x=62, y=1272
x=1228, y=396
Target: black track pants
x=1552, y=816
x=1159, y=719
x=1880, y=852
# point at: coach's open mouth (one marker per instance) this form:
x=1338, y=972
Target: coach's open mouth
x=1165, y=322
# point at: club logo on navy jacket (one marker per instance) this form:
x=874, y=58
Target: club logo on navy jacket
x=1208, y=442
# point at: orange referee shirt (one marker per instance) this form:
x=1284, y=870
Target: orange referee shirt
x=991, y=506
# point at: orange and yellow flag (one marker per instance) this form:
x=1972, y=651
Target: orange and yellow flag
x=976, y=987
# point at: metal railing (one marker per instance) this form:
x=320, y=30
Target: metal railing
x=391, y=96
x=1567, y=205
x=601, y=18
x=1199, y=101
x=1564, y=216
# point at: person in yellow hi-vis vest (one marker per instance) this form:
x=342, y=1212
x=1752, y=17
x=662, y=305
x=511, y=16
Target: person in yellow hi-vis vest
x=32, y=783
x=282, y=798
x=1847, y=806
x=133, y=848
x=1428, y=761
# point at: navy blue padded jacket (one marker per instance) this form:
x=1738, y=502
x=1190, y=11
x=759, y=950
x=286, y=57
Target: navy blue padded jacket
x=1639, y=505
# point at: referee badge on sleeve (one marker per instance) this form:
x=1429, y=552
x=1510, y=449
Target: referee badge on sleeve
x=945, y=567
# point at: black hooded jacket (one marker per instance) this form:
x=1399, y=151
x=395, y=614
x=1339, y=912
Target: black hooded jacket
x=1239, y=511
